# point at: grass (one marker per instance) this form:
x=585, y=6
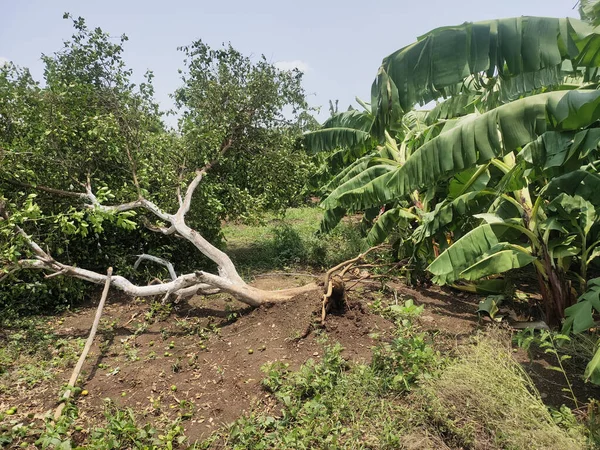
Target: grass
x=30, y=353
x=485, y=399
x=290, y=242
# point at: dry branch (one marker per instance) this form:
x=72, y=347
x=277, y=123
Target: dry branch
x=87, y=347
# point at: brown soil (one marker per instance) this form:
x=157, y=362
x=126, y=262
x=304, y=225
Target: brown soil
x=171, y=367
x=219, y=373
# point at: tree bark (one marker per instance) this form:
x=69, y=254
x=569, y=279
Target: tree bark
x=556, y=291
x=200, y=282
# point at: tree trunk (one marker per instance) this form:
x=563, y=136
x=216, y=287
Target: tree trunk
x=556, y=291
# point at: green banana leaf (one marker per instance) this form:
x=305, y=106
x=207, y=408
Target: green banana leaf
x=353, y=119
x=490, y=305
x=447, y=211
x=498, y=262
x=355, y=184
x=346, y=130
x=349, y=172
x=579, y=317
x=590, y=11
x=478, y=140
x=446, y=56
x=327, y=139
x=483, y=241
x=578, y=182
x=331, y=218
x=386, y=223
x=592, y=370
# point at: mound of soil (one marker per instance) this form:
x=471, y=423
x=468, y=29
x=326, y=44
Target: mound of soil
x=175, y=366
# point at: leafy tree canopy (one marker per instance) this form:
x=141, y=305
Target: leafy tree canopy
x=87, y=128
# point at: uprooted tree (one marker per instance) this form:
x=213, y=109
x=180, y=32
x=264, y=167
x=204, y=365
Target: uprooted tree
x=91, y=177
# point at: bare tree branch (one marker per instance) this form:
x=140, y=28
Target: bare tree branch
x=187, y=201
x=46, y=189
x=157, y=260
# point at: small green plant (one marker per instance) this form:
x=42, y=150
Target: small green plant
x=549, y=342
x=122, y=431
x=276, y=373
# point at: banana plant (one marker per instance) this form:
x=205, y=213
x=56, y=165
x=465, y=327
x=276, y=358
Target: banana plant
x=516, y=127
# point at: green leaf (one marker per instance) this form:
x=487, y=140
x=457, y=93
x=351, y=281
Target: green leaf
x=575, y=110
x=386, y=223
x=497, y=262
x=551, y=149
x=328, y=139
x=446, y=211
x=578, y=182
x=468, y=180
x=362, y=187
x=592, y=370
x=446, y=56
x=490, y=305
x=331, y=218
x=465, y=252
x=579, y=317
x=477, y=140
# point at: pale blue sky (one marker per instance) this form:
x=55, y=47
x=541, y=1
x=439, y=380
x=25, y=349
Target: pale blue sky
x=341, y=43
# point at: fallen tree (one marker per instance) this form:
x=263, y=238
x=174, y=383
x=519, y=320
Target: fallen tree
x=91, y=176
x=226, y=279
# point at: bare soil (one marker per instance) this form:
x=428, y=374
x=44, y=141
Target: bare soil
x=169, y=364
x=166, y=363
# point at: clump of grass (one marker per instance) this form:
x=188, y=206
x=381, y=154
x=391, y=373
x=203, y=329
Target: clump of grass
x=484, y=399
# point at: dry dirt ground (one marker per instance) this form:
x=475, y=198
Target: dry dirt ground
x=202, y=359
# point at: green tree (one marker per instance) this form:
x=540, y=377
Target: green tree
x=91, y=177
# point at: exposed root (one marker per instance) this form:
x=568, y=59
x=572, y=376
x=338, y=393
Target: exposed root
x=334, y=298
x=334, y=295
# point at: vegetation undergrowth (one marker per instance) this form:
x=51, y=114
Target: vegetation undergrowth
x=291, y=241
x=30, y=353
x=408, y=396
x=335, y=404
x=121, y=429
x=485, y=399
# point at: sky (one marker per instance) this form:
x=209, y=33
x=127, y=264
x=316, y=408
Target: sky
x=338, y=45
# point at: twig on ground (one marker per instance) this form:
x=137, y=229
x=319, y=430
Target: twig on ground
x=87, y=347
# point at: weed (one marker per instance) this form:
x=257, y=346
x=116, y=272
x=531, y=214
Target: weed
x=122, y=431
x=547, y=341
x=484, y=399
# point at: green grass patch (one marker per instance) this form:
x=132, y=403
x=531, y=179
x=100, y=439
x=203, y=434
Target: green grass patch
x=290, y=242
